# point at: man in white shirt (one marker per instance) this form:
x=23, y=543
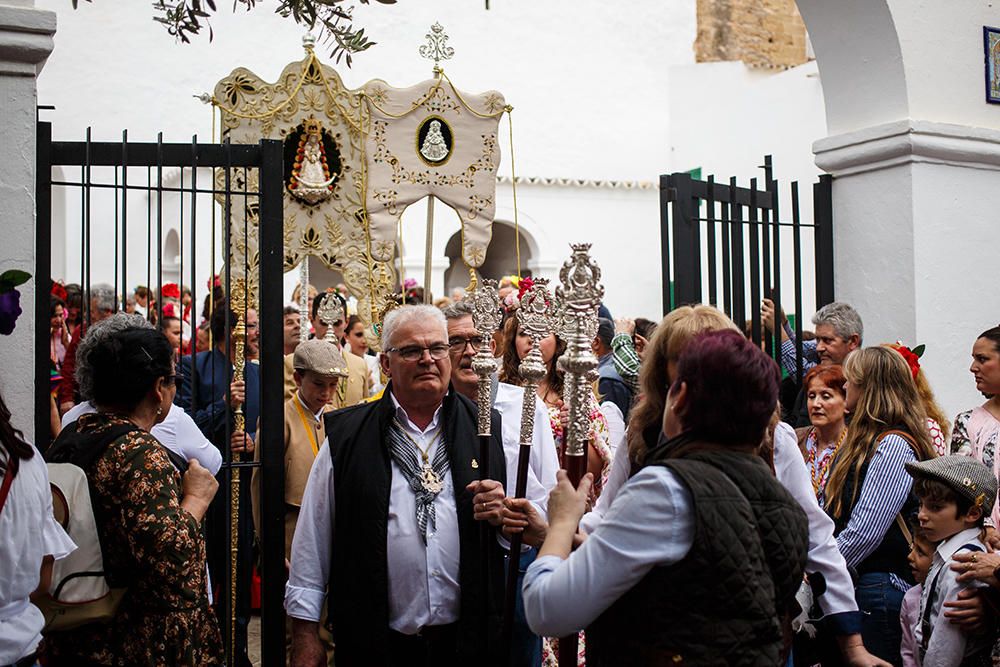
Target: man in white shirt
x=464, y=340
x=389, y=519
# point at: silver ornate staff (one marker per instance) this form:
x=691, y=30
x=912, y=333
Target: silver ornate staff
x=330, y=311
x=536, y=318
x=304, y=305
x=486, y=317
x=580, y=295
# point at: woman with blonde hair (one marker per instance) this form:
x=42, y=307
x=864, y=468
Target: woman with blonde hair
x=868, y=494
x=937, y=424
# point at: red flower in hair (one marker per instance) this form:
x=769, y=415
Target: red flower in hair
x=912, y=357
x=59, y=291
x=170, y=291
x=525, y=285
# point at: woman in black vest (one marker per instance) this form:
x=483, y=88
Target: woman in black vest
x=868, y=494
x=702, y=551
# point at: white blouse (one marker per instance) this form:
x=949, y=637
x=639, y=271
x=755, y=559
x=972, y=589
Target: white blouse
x=28, y=532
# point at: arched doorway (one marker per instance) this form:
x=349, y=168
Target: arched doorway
x=501, y=256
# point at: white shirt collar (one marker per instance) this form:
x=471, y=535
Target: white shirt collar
x=405, y=418
x=317, y=416
x=948, y=547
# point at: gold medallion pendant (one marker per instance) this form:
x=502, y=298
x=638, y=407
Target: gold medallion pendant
x=430, y=480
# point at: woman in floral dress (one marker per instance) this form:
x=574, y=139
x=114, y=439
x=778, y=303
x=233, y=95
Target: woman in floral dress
x=148, y=516
x=977, y=431
x=516, y=346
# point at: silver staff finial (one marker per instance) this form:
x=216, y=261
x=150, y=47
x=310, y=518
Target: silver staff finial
x=330, y=311
x=580, y=295
x=486, y=316
x=308, y=41
x=437, y=48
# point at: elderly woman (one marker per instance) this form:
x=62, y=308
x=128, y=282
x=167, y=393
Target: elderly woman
x=148, y=516
x=700, y=556
x=868, y=494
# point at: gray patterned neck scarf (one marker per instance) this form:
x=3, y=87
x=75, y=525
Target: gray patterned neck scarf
x=405, y=453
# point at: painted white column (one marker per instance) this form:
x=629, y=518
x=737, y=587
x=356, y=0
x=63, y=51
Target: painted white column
x=915, y=240
x=25, y=43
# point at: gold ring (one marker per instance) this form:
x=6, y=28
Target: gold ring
x=975, y=557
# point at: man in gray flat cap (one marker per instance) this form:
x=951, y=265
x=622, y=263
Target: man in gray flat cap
x=956, y=493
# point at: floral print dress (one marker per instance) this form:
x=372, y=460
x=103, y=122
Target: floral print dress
x=600, y=439
x=155, y=548
x=976, y=434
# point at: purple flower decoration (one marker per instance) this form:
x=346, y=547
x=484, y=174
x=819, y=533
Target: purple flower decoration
x=10, y=299
x=10, y=310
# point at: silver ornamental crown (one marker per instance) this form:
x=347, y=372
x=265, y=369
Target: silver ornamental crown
x=580, y=293
x=486, y=312
x=436, y=48
x=330, y=310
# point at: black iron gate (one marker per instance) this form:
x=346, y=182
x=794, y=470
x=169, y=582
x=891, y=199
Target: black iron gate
x=104, y=180
x=723, y=244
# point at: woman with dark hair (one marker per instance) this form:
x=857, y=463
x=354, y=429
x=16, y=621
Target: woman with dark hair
x=58, y=332
x=700, y=555
x=977, y=431
x=868, y=493
x=148, y=516
x=357, y=341
x=30, y=538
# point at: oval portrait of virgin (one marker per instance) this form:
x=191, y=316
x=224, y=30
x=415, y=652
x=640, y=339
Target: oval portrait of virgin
x=434, y=141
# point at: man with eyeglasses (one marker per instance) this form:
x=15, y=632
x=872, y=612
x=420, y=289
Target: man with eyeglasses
x=389, y=519
x=464, y=341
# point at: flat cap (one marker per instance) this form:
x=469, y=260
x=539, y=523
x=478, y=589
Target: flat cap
x=319, y=356
x=963, y=474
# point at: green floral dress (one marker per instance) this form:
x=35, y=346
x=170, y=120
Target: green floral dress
x=157, y=550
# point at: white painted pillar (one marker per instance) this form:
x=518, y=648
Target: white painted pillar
x=25, y=43
x=915, y=247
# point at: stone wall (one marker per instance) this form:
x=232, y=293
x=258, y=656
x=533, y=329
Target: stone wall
x=761, y=33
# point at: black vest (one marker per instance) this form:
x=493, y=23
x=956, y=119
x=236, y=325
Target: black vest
x=358, y=602
x=891, y=554
x=722, y=603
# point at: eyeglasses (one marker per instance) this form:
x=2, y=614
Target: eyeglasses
x=416, y=352
x=458, y=343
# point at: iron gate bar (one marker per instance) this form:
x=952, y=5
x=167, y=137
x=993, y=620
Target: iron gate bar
x=686, y=242
x=797, y=260
x=754, y=265
x=124, y=157
x=231, y=597
x=270, y=230
x=150, y=188
x=666, y=272
x=194, y=266
x=174, y=155
x=159, y=231
x=728, y=194
x=739, y=276
x=778, y=325
x=823, y=215
x=727, y=274
x=710, y=237
x=43, y=283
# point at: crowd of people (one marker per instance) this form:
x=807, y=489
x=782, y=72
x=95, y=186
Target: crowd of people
x=733, y=511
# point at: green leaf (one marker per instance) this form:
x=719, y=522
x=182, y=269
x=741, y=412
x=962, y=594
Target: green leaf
x=919, y=350
x=14, y=277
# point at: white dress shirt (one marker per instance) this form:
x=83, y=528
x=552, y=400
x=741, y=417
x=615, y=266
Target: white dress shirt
x=544, y=461
x=824, y=556
x=948, y=645
x=616, y=426
x=177, y=432
x=423, y=579
x=28, y=532
x=649, y=524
